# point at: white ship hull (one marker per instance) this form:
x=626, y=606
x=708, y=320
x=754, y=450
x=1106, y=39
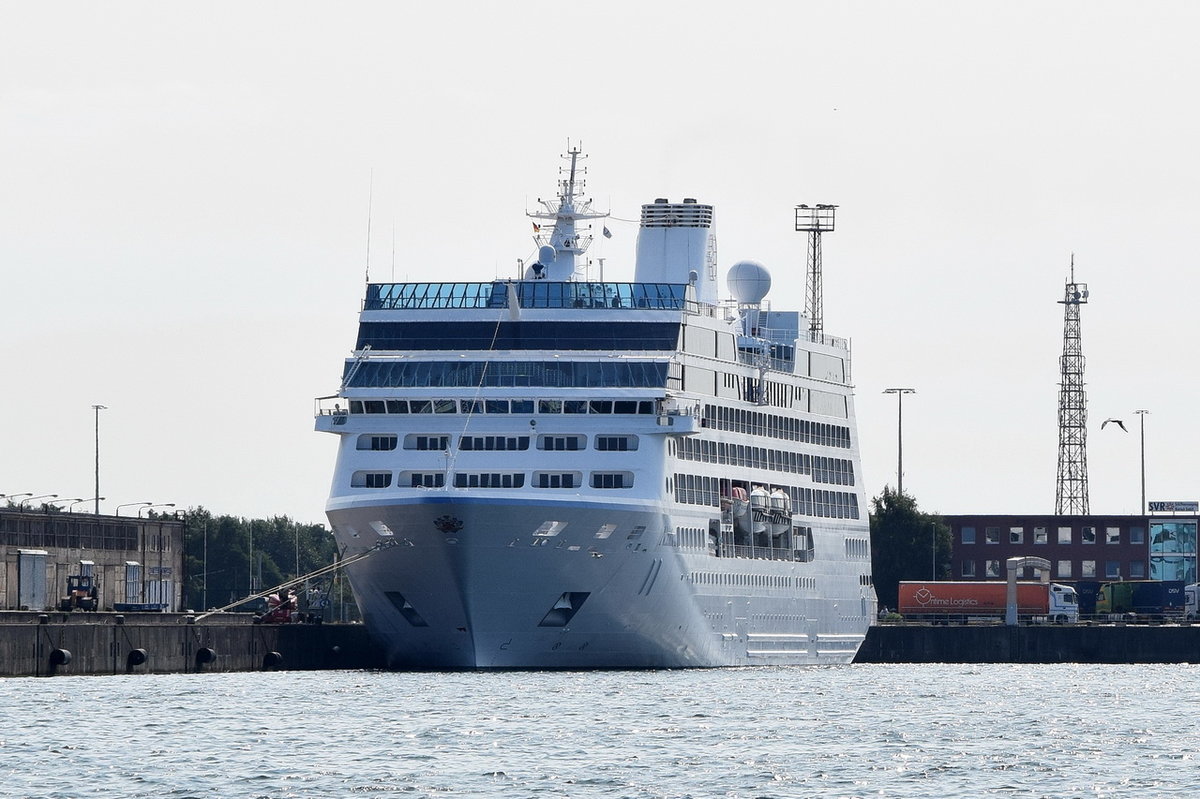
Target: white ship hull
x=483, y=597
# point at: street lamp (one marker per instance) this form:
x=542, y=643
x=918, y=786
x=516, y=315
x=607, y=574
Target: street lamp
x=155, y=505
x=21, y=504
x=11, y=497
x=62, y=501
x=76, y=502
x=900, y=392
x=1142, y=419
x=130, y=505
x=97, y=497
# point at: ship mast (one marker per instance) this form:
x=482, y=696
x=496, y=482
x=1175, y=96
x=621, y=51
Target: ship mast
x=558, y=249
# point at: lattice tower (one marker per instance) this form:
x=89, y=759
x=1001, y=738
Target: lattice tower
x=1072, y=490
x=814, y=221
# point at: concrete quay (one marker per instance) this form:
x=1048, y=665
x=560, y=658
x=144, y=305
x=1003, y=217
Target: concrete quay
x=997, y=643
x=34, y=644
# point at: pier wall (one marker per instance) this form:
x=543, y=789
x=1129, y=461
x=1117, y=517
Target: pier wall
x=912, y=643
x=34, y=644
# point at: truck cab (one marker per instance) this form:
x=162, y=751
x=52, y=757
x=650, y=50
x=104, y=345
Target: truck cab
x=1063, y=605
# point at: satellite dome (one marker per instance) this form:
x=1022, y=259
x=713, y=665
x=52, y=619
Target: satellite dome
x=748, y=281
x=546, y=254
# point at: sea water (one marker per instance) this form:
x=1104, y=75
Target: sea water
x=853, y=731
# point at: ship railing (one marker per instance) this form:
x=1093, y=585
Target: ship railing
x=767, y=553
x=329, y=406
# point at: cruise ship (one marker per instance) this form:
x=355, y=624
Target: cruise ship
x=563, y=471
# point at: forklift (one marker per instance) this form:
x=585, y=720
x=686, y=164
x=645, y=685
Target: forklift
x=82, y=593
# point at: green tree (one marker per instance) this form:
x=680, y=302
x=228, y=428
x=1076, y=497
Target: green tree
x=906, y=544
x=227, y=557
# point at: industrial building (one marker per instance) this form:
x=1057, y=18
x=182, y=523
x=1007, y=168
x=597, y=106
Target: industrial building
x=1079, y=548
x=124, y=562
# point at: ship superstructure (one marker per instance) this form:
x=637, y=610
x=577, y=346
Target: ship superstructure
x=591, y=474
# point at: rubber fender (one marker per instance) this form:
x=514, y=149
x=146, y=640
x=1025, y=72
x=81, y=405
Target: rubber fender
x=272, y=660
x=60, y=657
x=136, y=657
x=205, y=655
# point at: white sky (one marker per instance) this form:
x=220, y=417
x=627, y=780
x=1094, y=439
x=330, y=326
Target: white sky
x=183, y=212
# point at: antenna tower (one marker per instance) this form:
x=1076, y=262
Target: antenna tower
x=814, y=221
x=1072, y=493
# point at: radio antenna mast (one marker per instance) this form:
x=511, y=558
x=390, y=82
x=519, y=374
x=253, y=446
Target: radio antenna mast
x=1072, y=493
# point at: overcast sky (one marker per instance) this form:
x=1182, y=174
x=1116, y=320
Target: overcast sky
x=184, y=192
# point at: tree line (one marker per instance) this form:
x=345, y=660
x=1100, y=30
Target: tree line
x=227, y=558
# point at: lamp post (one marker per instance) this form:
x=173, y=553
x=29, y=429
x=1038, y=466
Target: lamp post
x=11, y=497
x=97, y=497
x=1142, y=419
x=69, y=501
x=129, y=505
x=900, y=392
x=155, y=505
x=89, y=499
x=21, y=504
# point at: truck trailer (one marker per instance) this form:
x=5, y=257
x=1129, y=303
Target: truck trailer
x=964, y=601
x=1155, y=599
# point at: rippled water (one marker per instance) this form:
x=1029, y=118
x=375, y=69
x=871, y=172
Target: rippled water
x=859, y=731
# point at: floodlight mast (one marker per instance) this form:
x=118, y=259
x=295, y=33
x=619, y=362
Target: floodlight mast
x=814, y=221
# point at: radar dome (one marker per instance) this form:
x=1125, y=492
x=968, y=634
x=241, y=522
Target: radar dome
x=546, y=254
x=749, y=282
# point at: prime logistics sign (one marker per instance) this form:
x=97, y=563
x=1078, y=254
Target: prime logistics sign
x=1175, y=507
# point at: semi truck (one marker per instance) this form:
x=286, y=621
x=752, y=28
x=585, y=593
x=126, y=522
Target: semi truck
x=1155, y=599
x=964, y=601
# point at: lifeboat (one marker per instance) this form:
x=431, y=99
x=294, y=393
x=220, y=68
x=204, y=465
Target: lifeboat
x=781, y=512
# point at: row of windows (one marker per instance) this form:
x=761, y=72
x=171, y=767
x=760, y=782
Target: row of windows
x=1063, y=569
x=1064, y=535
x=500, y=374
x=529, y=294
x=553, y=443
x=414, y=479
x=787, y=428
x=835, y=471
x=48, y=532
x=695, y=489
x=393, y=406
x=465, y=336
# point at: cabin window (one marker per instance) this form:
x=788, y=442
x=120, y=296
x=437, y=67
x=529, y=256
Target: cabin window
x=423, y=442
x=423, y=479
x=371, y=480
x=493, y=443
x=612, y=479
x=557, y=479
x=377, y=443
x=489, y=480
x=561, y=443
x=617, y=443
